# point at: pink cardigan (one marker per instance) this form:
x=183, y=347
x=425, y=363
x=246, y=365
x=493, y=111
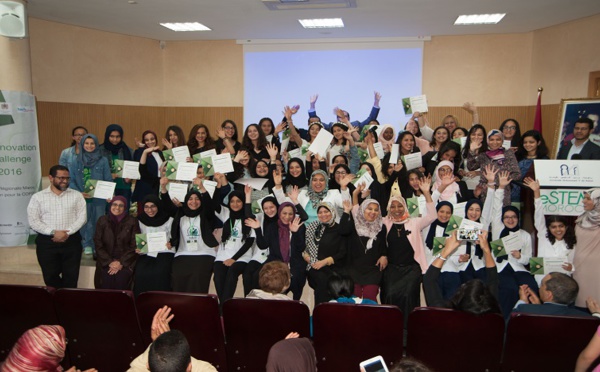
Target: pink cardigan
x=415, y=225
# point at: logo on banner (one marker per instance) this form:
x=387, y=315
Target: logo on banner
x=566, y=171
x=562, y=202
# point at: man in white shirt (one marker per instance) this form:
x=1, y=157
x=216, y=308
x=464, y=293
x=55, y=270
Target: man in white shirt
x=56, y=214
x=581, y=144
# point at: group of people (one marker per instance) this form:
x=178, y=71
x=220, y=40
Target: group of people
x=352, y=212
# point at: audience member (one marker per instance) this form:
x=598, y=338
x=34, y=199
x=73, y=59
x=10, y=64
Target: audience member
x=293, y=354
x=274, y=279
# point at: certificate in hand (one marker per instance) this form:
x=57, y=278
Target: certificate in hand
x=297, y=153
x=459, y=210
x=321, y=144
x=186, y=171
x=415, y=104
x=453, y=224
x=394, y=153
x=379, y=150
x=497, y=248
x=181, y=153
x=413, y=161
x=210, y=187
x=104, y=190
x=204, y=154
x=413, y=206
x=546, y=265
x=157, y=241
x=178, y=191
x=363, y=177
x=127, y=169
x=512, y=242
x=439, y=242
x=222, y=163
x=255, y=183
x=207, y=166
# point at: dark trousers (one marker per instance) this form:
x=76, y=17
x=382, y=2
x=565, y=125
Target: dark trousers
x=449, y=283
x=120, y=280
x=59, y=261
x=226, y=278
x=508, y=287
x=191, y=274
x=250, y=276
x=319, y=280
x=298, y=280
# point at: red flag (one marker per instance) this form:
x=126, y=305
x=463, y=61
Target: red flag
x=537, y=123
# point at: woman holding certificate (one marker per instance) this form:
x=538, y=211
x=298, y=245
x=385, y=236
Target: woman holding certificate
x=115, y=246
x=150, y=158
x=153, y=269
x=587, y=258
x=200, y=139
x=87, y=166
x=114, y=148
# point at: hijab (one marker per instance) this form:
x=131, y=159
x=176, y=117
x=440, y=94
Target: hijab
x=450, y=191
x=317, y=197
x=387, y=145
x=316, y=229
x=191, y=213
x=591, y=219
x=39, y=349
x=506, y=231
x=292, y=355
x=161, y=216
x=497, y=154
x=433, y=227
x=118, y=218
x=267, y=219
x=284, y=232
x=114, y=149
x=299, y=181
x=364, y=227
x=89, y=159
x=404, y=219
x=478, y=250
x=234, y=216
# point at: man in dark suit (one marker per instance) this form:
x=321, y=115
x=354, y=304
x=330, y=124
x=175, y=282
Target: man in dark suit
x=557, y=292
x=581, y=144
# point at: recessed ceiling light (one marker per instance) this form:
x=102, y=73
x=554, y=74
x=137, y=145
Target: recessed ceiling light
x=186, y=26
x=479, y=19
x=322, y=23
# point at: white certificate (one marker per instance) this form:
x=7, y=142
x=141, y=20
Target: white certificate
x=157, y=241
x=104, y=190
x=255, y=183
x=210, y=186
x=471, y=182
x=459, y=209
x=554, y=264
x=297, y=153
x=181, y=153
x=284, y=145
x=394, y=153
x=507, y=145
x=222, y=163
x=470, y=225
x=321, y=144
x=178, y=190
x=512, y=242
x=416, y=104
x=365, y=179
x=422, y=205
x=186, y=171
x=413, y=161
x=131, y=169
x=379, y=150
x=269, y=138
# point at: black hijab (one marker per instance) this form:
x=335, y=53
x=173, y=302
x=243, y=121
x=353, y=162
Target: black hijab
x=234, y=216
x=161, y=216
x=436, y=223
x=114, y=149
x=299, y=181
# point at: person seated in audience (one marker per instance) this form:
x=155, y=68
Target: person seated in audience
x=474, y=296
x=39, y=349
x=341, y=289
x=169, y=350
x=293, y=354
x=592, y=351
x=557, y=293
x=274, y=279
x=408, y=364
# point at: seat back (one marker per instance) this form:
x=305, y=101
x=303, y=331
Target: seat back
x=101, y=326
x=196, y=315
x=23, y=307
x=252, y=326
x=451, y=340
x=346, y=334
x=545, y=342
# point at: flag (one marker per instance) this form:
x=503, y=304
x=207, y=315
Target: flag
x=537, y=122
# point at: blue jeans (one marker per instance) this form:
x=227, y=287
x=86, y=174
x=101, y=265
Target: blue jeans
x=95, y=209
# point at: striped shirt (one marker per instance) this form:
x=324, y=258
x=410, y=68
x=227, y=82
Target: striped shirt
x=48, y=211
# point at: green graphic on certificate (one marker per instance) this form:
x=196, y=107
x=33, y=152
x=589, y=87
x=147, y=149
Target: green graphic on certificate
x=413, y=206
x=171, y=170
x=90, y=187
x=168, y=154
x=497, y=247
x=117, y=167
x=536, y=266
x=439, y=242
x=141, y=242
x=207, y=166
x=453, y=224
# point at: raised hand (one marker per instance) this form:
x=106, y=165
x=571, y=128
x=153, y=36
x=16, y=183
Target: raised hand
x=167, y=143
x=377, y=99
x=347, y=206
x=475, y=145
x=425, y=184
x=280, y=127
x=469, y=107
x=293, y=194
x=504, y=179
x=160, y=322
x=346, y=180
x=221, y=133
x=252, y=223
x=277, y=178
x=398, y=166
x=241, y=155
x=295, y=109
x=138, y=143
x=295, y=224
x=490, y=172
x=313, y=100
x=273, y=151
x=534, y=185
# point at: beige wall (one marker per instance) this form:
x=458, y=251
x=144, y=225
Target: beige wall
x=15, y=72
x=563, y=57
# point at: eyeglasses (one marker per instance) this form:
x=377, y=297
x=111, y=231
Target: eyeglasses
x=118, y=205
x=510, y=128
x=150, y=207
x=338, y=173
x=510, y=217
x=63, y=178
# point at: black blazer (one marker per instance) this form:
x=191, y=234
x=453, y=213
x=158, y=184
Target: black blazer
x=589, y=151
x=549, y=308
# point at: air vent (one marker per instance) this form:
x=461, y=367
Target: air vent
x=308, y=4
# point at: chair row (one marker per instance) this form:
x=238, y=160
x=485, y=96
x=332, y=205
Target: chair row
x=107, y=329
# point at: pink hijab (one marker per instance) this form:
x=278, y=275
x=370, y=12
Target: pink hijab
x=39, y=349
x=452, y=189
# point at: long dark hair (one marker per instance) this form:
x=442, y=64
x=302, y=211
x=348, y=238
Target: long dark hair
x=235, y=134
x=270, y=121
x=517, y=137
x=569, y=237
x=542, y=149
x=261, y=142
x=433, y=141
x=476, y=298
x=193, y=144
x=73, y=142
x=484, y=145
x=180, y=136
x=404, y=134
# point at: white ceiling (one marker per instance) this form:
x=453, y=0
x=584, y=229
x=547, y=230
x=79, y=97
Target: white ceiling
x=251, y=19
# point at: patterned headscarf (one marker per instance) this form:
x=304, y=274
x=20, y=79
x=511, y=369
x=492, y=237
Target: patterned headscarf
x=591, y=219
x=315, y=230
x=363, y=227
x=39, y=349
x=317, y=197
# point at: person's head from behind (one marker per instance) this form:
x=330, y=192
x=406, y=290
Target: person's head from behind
x=274, y=277
x=559, y=288
x=475, y=297
x=291, y=355
x=409, y=365
x=40, y=349
x=170, y=352
x=340, y=286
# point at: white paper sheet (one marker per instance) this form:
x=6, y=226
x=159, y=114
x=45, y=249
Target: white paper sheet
x=297, y=153
x=186, y=171
x=104, y=190
x=131, y=170
x=255, y=183
x=157, y=241
x=365, y=179
x=512, y=242
x=178, y=190
x=419, y=103
x=379, y=150
x=459, y=209
x=222, y=163
x=321, y=144
x=413, y=161
x=554, y=264
x=468, y=224
x=181, y=153
x=506, y=144
x=394, y=153
x=210, y=187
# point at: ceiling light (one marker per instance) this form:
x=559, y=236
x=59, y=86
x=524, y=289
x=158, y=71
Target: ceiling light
x=479, y=19
x=186, y=26
x=322, y=23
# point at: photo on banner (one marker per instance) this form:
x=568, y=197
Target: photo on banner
x=571, y=110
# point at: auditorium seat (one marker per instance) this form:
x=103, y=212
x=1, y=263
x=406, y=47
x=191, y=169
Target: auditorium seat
x=101, y=326
x=545, y=343
x=450, y=340
x=346, y=334
x=196, y=315
x=252, y=326
x=23, y=307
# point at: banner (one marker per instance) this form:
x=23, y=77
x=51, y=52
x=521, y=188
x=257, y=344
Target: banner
x=567, y=173
x=562, y=202
x=20, y=169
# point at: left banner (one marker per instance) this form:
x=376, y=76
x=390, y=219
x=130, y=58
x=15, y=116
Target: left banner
x=20, y=168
